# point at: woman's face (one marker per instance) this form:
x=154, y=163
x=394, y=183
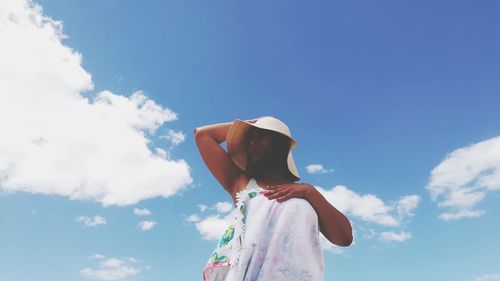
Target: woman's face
x=260, y=143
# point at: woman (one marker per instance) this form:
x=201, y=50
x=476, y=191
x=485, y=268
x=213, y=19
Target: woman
x=275, y=232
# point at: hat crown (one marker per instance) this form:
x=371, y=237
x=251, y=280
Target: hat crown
x=273, y=124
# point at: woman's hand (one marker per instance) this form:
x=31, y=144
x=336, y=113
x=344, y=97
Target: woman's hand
x=288, y=191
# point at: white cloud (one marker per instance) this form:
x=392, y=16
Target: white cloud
x=465, y=177
x=97, y=257
x=175, y=137
x=223, y=207
x=317, y=169
x=387, y=236
x=88, y=221
x=488, y=277
x=371, y=233
x=202, y=207
x=134, y=260
x=193, y=218
x=460, y=214
x=142, y=212
x=147, y=225
x=406, y=204
x=212, y=227
x=384, y=236
x=56, y=141
x=369, y=207
x=165, y=154
x=111, y=269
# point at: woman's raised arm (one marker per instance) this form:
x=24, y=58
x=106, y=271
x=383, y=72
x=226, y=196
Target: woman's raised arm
x=208, y=139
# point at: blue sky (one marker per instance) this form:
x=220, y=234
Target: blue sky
x=395, y=106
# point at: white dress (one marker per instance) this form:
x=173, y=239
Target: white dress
x=268, y=241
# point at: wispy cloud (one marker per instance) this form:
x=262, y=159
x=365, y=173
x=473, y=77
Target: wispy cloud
x=174, y=137
x=212, y=227
x=464, y=178
x=142, y=212
x=56, y=141
x=112, y=268
x=202, y=207
x=370, y=233
x=223, y=207
x=460, y=214
x=147, y=225
x=393, y=236
x=317, y=169
x=488, y=277
x=88, y=221
x=193, y=218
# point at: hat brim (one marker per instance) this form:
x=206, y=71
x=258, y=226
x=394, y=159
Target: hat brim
x=237, y=142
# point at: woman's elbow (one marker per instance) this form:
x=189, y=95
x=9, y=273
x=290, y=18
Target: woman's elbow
x=196, y=131
x=347, y=237
x=347, y=241
x=343, y=242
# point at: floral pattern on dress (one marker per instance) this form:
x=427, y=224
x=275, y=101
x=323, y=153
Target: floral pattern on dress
x=228, y=248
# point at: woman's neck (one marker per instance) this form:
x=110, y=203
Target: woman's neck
x=271, y=177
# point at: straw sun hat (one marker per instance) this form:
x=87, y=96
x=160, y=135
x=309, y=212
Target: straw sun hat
x=237, y=140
